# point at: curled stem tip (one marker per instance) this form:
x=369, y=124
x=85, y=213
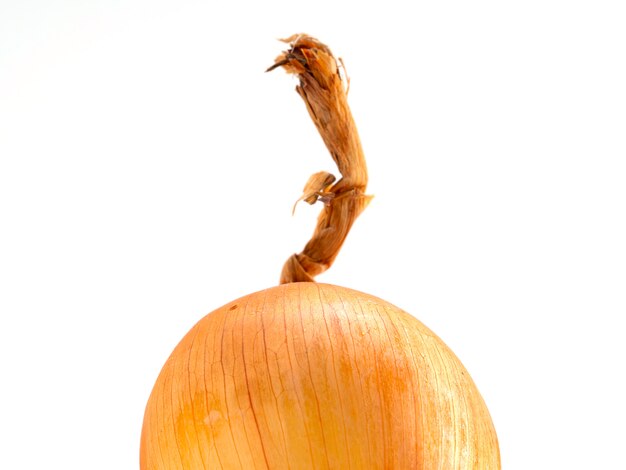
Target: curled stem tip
x=325, y=96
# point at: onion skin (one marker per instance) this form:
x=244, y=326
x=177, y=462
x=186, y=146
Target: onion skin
x=308, y=375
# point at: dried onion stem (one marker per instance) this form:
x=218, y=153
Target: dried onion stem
x=322, y=89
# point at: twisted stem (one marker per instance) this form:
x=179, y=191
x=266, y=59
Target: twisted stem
x=325, y=96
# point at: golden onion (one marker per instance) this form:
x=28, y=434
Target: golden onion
x=307, y=375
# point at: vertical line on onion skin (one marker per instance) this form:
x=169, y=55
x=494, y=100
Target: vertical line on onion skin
x=237, y=408
x=333, y=360
x=237, y=405
x=482, y=428
x=191, y=397
x=433, y=373
x=451, y=404
x=306, y=350
x=466, y=424
x=418, y=400
x=291, y=370
x=160, y=424
x=351, y=312
x=386, y=323
x=428, y=371
x=147, y=457
x=181, y=371
x=284, y=451
x=245, y=372
x=396, y=321
x=367, y=321
x=388, y=437
x=206, y=398
x=220, y=329
x=171, y=409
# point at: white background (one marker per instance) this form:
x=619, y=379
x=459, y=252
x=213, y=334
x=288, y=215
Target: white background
x=149, y=165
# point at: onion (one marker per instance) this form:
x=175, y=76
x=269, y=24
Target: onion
x=307, y=375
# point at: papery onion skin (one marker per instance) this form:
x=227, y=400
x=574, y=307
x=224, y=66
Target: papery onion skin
x=308, y=375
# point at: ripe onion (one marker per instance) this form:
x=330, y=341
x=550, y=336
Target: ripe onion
x=307, y=375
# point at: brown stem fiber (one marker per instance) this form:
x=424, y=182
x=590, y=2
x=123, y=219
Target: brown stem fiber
x=324, y=93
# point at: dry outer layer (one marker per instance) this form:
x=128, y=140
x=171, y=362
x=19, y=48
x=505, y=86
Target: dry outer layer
x=308, y=375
